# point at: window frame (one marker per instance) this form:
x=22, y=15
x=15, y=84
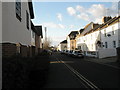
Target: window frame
x=106, y=45
x=114, y=44
x=27, y=19
x=18, y=5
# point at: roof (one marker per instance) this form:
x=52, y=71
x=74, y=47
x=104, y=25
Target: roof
x=39, y=31
x=73, y=34
x=109, y=22
x=65, y=41
x=31, y=9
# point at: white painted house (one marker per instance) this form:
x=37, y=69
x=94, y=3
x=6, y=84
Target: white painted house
x=19, y=34
x=16, y=22
x=62, y=46
x=102, y=40
x=87, y=39
x=110, y=37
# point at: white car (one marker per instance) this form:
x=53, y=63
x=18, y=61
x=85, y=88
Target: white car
x=77, y=54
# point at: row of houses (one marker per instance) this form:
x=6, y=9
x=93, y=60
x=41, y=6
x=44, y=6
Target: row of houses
x=96, y=40
x=19, y=34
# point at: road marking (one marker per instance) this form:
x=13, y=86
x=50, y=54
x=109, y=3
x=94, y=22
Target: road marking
x=86, y=81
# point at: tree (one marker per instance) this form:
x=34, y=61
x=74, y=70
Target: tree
x=46, y=43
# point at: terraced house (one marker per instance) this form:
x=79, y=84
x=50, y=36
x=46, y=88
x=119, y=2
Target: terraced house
x=17, y=28
x=101, y=40
x=71, y=41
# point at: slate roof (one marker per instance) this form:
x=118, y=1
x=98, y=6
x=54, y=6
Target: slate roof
x=65, y=41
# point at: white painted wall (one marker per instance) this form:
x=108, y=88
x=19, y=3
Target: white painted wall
x=107, y=52
x=112, y=38
x=32, y=38
x=68, y=43
x=15, y=31
x=88, y=42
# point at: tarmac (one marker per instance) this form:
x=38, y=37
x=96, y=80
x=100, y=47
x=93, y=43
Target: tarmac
x=61, y=77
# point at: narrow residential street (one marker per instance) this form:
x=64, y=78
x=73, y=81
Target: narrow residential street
x=69, y=72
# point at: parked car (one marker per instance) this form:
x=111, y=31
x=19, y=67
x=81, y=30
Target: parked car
x=70, y=52
x=77, y=54
x=50, y=52
x=62, y=52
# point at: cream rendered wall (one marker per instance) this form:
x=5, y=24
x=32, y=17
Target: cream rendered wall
x=15, y=31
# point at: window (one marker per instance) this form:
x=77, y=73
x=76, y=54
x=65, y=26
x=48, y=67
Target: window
x=27, y=20
x=106, y=45
x=105, y=33
x=113, y=30
x=18, y=9
x=114, y=44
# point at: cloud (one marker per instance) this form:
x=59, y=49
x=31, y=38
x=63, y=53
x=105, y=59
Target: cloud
x=71, y=26
x=71, y=11
x=80, y=8
x=59, y=16
x=83, y=16
x=97, y=10
x=94, y=13
x=53, y=25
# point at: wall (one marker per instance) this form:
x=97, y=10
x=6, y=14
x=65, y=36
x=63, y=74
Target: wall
x=112, y=38
x=68, y=43
x=107, y=52
x=15, y=31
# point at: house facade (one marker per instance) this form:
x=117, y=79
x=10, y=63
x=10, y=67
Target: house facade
x=110, y=37
x=18, y=32
x=87, y=39
x=17, y=22
x=71, y=41
x=62, y=46
x=102, y=40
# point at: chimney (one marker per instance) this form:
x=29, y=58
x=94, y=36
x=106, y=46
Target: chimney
x=106, y=18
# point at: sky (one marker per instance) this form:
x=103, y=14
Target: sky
x=61, y=18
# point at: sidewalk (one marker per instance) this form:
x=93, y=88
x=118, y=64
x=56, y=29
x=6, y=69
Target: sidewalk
x=109, y=60
x=60, y=77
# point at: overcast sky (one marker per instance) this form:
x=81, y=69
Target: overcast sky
x=61, y=18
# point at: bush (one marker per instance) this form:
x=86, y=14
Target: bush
x=26, y=73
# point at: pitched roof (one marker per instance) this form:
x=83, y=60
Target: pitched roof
x=65, y=41
x=39, y=31
x=73, y=33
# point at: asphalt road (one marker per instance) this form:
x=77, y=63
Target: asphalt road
x=100, y=75
x=69, y=72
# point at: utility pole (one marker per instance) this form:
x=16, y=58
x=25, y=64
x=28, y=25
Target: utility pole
x=45, y=34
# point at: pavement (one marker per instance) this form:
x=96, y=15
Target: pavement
x=60, y=76
x=111, y=61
